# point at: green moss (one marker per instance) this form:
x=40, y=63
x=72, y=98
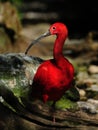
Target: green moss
x=82, y=68
x=16, y=83
x=65, y=103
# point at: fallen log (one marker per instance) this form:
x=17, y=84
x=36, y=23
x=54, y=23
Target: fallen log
x=18, y=111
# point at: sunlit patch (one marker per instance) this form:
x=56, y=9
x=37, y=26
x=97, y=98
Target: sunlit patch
x=1, y=99
x=45, y=68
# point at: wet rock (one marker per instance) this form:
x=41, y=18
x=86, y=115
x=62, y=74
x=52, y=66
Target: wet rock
x=93, y=87
x=82, y=94
x=94, y=102
x=88, y=107
x=93, y=69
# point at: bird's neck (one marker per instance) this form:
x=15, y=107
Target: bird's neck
x=58, y=48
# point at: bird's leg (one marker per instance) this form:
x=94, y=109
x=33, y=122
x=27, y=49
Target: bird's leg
x=53, y=110
x=53, y=105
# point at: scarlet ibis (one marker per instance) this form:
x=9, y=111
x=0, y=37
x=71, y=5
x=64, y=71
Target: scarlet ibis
x=53, y=76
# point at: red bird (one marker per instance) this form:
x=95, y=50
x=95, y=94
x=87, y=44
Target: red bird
x=54, y=76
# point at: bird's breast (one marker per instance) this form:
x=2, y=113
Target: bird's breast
x=51, y=80
x=50, y=75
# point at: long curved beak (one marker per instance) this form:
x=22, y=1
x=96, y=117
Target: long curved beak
x=37, y=39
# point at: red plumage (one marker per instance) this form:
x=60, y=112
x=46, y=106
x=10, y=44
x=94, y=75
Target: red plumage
x=54, y=76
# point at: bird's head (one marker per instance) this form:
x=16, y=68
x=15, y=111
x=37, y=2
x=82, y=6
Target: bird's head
x=58, y=28
x=55, y=29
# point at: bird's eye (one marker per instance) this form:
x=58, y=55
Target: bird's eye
x=54, y=28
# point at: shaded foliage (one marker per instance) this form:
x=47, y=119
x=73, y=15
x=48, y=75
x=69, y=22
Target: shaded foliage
x=12, y=1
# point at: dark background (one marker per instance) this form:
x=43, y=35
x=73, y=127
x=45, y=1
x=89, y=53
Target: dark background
x=80, y=16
